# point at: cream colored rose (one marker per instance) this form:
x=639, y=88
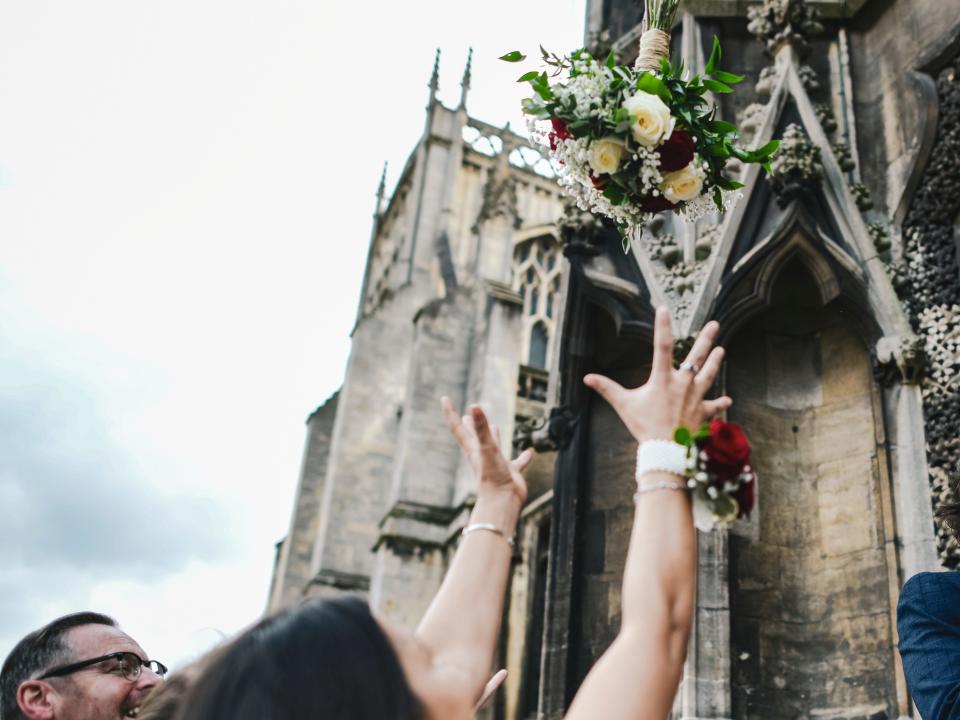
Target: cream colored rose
x=682, y=185
x=606, y=155
x=652, y=121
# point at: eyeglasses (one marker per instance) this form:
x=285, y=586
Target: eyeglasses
x=128, y=664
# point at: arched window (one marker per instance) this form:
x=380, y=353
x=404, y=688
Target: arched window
x=539, y=340
x=536, y=273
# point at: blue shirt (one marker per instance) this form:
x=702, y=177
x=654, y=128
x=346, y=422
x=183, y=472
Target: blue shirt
x=928, y=621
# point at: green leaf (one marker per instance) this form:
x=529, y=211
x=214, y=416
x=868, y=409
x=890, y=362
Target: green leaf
x=543, y=51
x=718, y=150
x=727, y=184
x=717, y=87
x=655, y=86
x=515, y=56
x=724, y=128
x=527, y=77
x=715, y=56
x=767, y=150
x=612, y=60
x=614, y=194
x=718, y=201
x=703, y=433
x=726, y=77
x=682, y=436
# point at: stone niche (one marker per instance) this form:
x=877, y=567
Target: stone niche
x=811, y=615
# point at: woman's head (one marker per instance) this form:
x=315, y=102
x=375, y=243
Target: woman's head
x=326, y=659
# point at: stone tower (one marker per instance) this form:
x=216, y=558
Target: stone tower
x=460, y=297
x=837, y=284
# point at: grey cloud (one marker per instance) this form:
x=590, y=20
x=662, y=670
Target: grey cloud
x=74, y=506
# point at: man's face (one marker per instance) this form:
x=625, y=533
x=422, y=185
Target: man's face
x=100, y=692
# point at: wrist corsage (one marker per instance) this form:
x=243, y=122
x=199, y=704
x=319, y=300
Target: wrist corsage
x=720, y=477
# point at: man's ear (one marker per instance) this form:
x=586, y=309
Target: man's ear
x=35, y=701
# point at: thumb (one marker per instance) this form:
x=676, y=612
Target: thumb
x=608, y=389
x=522, y=461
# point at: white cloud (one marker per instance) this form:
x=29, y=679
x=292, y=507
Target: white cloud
x=185, y=199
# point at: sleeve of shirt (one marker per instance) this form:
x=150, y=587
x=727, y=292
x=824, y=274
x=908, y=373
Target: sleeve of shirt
x=928, y=622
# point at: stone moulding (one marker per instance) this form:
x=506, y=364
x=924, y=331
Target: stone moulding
x=932, y=290
x=340, y=581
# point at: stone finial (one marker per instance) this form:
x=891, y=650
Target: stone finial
x=796, y=166
x=784, y=22
x=381, y=190
x=465, y=82
x=435, y=77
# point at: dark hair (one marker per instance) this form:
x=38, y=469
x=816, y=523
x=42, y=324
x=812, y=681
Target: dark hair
x=163, y=701
x=326, y=659
x=38, y=651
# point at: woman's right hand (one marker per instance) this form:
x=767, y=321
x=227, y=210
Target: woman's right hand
x=670, y=398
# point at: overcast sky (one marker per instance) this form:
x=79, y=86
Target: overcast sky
x=185, y=198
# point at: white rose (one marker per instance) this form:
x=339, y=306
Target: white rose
x=605, y=155
x=652, y=121
x=682, y=185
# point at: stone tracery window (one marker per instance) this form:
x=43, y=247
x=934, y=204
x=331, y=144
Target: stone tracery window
x=536, y=264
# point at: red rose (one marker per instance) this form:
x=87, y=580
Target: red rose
x=727, y=450
x=560, y=129
x=656, y=204
x=677, y=152
x=600, y=181
x=559, y=133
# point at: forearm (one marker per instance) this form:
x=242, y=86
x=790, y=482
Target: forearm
x=462, y=624
x=659, y=581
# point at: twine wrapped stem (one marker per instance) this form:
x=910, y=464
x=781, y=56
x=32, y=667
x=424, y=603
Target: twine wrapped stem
x=654, y=47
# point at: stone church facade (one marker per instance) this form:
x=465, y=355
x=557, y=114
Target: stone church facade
x=837, y=284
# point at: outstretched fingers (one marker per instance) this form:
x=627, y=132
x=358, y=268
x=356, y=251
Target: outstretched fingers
x=708, y=373
x=608, y=389
x=481, y=426
x=662, y=346
x=523, y=460
x=712, y=408
x=455, y=423
x=701, y=348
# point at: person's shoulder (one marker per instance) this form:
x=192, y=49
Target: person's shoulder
x=930, y=590
x=925, y=582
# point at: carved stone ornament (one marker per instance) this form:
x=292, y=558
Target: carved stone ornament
x=796, y=166
x=546, y=434
x=931, y=295
x=582, y=232
x=841, y=151
x=779, y=22
x=499, y=199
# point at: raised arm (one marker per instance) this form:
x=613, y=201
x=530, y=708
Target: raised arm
x=637, y=677
x=462, y=624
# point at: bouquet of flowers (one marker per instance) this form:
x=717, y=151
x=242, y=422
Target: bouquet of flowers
x=719, y=474
x=630, y=142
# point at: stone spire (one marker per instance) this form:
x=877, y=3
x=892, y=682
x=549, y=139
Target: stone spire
x=465, y=83
x=381, y=189
x=435, y=78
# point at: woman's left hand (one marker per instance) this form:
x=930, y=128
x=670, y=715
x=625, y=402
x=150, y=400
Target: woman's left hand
x=480, y=441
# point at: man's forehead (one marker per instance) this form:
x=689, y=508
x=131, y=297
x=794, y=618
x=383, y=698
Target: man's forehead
x=94, y=640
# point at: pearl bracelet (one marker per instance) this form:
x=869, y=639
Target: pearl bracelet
x=490, y=527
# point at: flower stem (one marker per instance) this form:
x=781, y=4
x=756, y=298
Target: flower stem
x=661, y=13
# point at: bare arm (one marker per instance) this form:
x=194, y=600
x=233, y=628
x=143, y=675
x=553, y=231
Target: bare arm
x=462, y=624
x=637, y=677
